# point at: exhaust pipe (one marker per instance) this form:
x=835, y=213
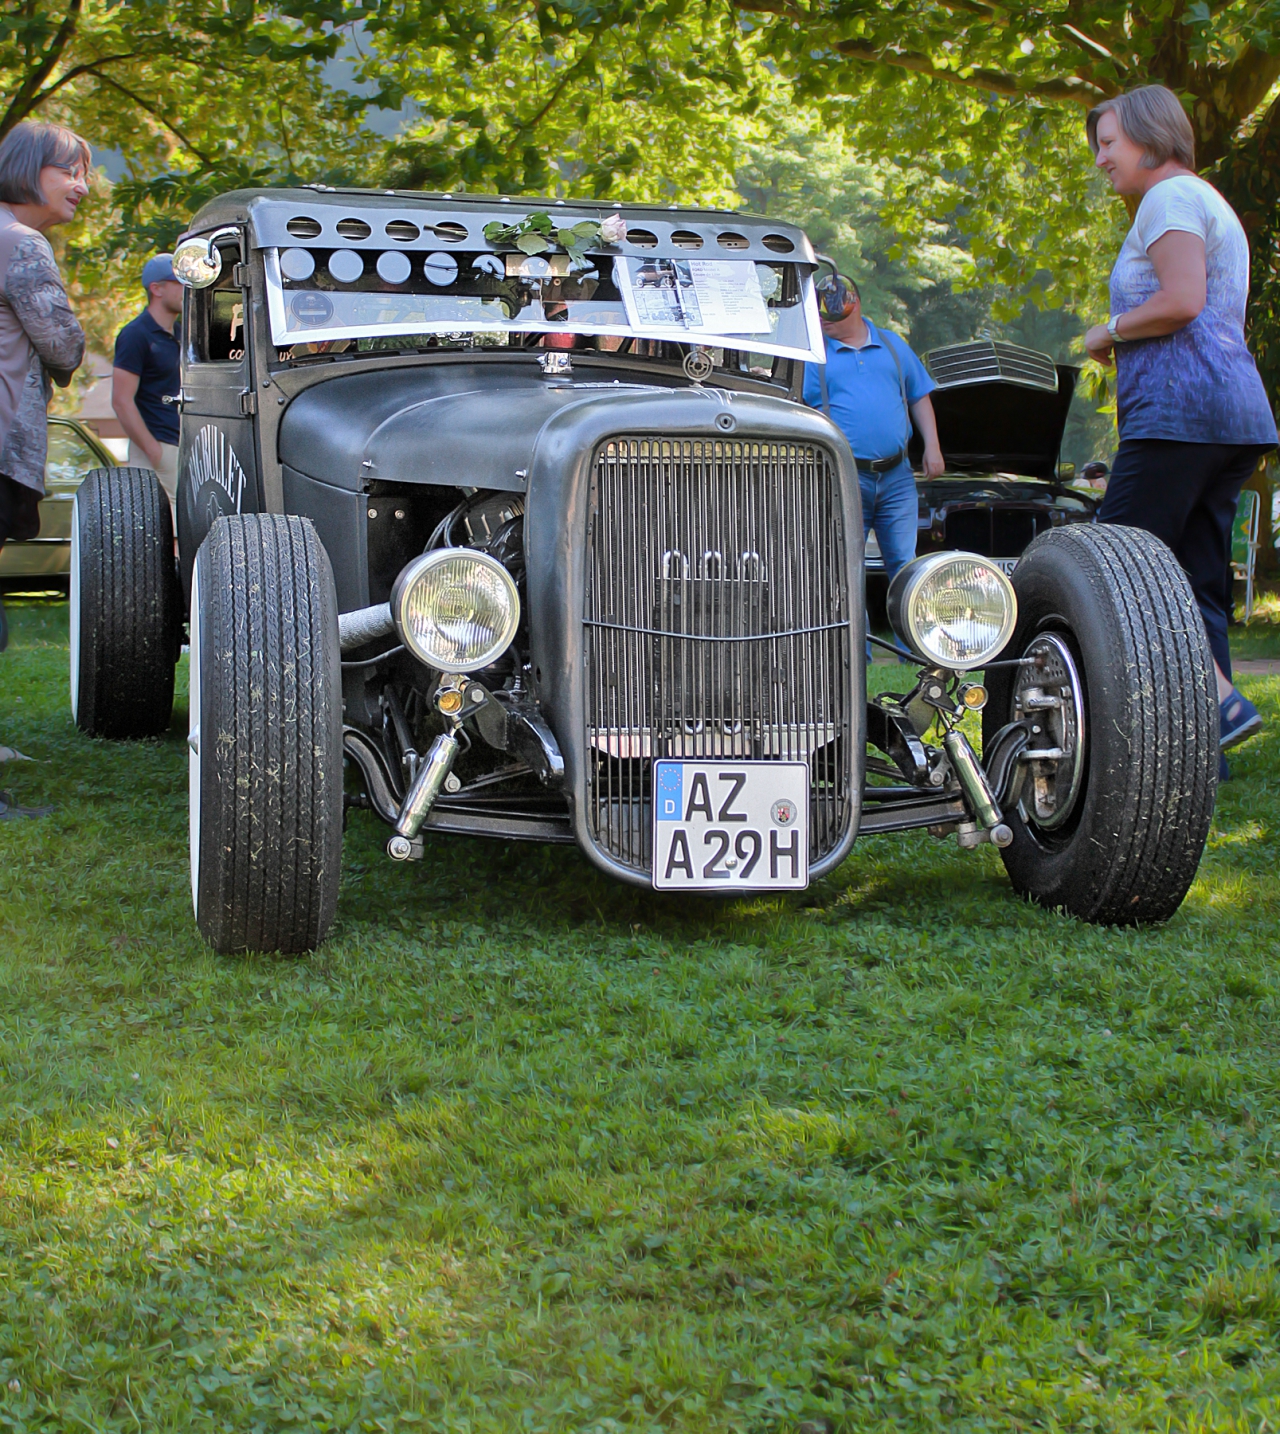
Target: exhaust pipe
x=366, y=624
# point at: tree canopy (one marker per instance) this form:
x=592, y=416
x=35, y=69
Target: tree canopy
x=966, y=114
x=191, y=98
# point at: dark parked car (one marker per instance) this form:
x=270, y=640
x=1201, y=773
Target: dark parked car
x=1001, y=412
x=548, y=552
x=43, y=563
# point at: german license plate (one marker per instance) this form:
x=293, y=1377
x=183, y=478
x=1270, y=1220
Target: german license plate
x=730, y=825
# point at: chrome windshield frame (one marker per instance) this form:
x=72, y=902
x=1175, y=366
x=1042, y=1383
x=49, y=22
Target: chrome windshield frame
x=283, y=336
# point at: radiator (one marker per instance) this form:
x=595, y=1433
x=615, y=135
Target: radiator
x=716, y=624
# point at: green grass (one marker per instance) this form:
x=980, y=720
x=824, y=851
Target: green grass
x=1261, y=636
x=524, y=1150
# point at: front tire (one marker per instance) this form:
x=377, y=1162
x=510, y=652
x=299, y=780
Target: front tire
x=126, y=612
x=265, y=776
x=1117, y=841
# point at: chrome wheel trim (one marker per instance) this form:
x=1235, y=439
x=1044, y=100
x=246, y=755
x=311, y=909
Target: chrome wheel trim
x=75, y=610
x=1052, y=785
x=193, y=740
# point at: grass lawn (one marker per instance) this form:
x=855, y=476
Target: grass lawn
x=523, y=1150
x=1261, y=637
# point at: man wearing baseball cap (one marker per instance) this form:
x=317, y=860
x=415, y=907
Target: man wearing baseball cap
x=145, y=370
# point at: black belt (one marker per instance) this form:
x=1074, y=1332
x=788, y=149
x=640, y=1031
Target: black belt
x=880, y=465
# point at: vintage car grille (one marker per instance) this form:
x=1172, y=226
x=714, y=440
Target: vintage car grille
x=985, y=360
x=716, y=624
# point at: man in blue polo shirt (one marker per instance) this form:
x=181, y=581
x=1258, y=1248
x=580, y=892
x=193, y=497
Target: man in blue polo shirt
x=871, y=388
x=145, y=369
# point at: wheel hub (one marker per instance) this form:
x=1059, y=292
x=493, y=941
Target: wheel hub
x=1047, y=696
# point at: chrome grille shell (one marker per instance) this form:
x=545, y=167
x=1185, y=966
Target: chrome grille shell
x=719, y=620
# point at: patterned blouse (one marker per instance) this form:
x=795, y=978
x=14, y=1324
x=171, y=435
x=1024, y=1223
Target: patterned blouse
x=1200, y=384
x=39, y=340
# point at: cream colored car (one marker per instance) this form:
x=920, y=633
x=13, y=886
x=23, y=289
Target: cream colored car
x=43, y=563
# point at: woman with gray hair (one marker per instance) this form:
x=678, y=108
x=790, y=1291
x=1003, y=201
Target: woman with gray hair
x=1192, y=411
x=43, y=177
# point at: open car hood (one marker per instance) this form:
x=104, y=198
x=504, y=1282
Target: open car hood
x=1000, y=408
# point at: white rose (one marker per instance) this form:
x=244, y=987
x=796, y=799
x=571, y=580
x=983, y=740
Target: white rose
x=613, y=230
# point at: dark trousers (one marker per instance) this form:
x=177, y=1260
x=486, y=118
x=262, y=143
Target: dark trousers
x=1186, y=494
x=19, y=511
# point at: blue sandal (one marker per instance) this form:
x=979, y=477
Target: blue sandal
x=1238, y=720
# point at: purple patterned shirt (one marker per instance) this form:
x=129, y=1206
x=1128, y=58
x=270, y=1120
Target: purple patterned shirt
x=1200, y=384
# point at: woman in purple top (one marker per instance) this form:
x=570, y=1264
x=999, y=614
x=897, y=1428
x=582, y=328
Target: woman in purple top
x=1193, y=413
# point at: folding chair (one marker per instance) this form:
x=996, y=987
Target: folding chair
x=1244, y=544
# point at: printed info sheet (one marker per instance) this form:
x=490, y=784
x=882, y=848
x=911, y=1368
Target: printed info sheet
x=693, y=296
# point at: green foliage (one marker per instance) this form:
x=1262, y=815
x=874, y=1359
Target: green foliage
x=1224, y=59
x=966, y=119
x=625, y=99
x=917, y=270
x=522, y=1149
x=537, y=233
x=814, y=176
x=1250, y=178
x=195, y=98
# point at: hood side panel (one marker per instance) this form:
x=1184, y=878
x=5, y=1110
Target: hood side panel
x=463, y=424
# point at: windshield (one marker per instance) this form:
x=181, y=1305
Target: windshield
x=320, y=297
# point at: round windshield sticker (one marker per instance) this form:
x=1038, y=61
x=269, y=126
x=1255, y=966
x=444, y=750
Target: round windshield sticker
x=346, y=265
x=393, y=267
x=784, y=812
x=297, y=264
x=443, y=268
x=312, y=308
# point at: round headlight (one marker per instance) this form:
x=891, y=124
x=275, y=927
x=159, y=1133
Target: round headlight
x=456, y=609
x=953, y=609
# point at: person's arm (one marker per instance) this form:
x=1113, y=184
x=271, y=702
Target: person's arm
x=34, y=290
x=922, y=412
x=1179, y=262
x=124, y=391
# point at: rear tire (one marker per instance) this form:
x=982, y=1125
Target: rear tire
x=1128, y=848
x=126, y=610
x=266, y=736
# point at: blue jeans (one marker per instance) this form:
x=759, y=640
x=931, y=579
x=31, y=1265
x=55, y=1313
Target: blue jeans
x=891, y=507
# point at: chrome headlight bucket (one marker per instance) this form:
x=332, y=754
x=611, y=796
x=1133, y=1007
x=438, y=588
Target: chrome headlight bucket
x=954, y=610
x=455, y=609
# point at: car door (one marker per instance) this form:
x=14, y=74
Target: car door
x=71, y=454
x=217, y=457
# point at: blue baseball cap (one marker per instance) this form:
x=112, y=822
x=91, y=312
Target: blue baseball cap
x=157, y=270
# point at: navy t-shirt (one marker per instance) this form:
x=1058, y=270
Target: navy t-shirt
x=144, y=348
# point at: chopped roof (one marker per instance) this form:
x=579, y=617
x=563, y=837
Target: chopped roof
x=409, y=219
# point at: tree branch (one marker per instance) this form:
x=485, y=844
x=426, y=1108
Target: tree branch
x=1075, y=87
x=1247, y=80
x=88, y=68
x=570, y=73
x=1087, y=43
x=22, y=103
x=976, y=7
x=206, y=159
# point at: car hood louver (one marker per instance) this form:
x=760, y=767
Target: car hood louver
x=1000, y=408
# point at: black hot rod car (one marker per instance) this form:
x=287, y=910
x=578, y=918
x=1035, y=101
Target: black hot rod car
x=503, y=519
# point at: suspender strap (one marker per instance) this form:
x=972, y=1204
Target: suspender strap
x=902, y=388
x=822, y=383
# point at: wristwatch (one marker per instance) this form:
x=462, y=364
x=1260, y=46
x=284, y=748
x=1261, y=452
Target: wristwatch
x=1112, y=328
